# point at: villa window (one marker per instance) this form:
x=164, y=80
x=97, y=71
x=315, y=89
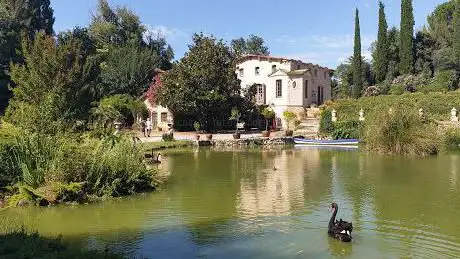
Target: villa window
x=306, y=89
x=257, y=71
x=316, y=72
x=325, y=74
x=241, y=72
x=260, y=96
x=164, y=117
x=279, y=89
x=273, y=68
x=298, y=67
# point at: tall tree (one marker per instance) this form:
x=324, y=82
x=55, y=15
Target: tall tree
x=407, y=37
x=19, y=18
x=253, y=45
x=115, y=26
x=424, y=46
x=381, y=54
x=441, y=24
x=357, y=60
x=52, y=86
x=128, y=70
x=393, y=53
x=457, y=33
x=158, y=44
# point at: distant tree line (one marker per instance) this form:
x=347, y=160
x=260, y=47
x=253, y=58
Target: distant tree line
x=404, y=62
x=52, y=81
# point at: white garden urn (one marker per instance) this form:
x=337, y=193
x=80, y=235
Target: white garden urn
x=453, y=115
x=420, y=112
x=334, y=115
x=361, y=115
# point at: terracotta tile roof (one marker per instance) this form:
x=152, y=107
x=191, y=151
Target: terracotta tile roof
x=252, y=56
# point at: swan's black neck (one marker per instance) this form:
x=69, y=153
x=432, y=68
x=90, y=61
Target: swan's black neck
x=332, y=220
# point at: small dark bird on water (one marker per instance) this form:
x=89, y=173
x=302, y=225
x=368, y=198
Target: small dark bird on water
x=339, y=229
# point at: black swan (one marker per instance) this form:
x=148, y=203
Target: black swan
x=154, y=159
x=339, y=229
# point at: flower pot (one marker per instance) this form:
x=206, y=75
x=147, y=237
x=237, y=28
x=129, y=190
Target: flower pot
x=209, y=136
x=236, y=135
x=197, y=137
x=289, y=133
x=265, y=133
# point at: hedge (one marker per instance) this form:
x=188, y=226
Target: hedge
x=435, y=105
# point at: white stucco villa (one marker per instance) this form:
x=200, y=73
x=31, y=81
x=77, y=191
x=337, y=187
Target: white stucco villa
x=285, y=84
x=282, y=83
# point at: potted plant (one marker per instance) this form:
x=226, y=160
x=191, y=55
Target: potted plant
x=268, y=114
x=197, y=127
x=236, y=115
x=289, y=117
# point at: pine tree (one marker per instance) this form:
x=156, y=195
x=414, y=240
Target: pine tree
x=456, y=40
x=381, y=57
x=407, y=37
x=357, y=69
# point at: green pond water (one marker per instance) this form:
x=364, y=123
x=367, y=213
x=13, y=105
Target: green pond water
x=233, y=204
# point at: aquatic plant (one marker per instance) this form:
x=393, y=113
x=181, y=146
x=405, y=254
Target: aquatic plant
x=400, y=131
x=70, y=168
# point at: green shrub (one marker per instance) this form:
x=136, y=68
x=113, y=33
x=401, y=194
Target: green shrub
x=452, y=138
x=289, y=117
x=120, y=107
x=347, y=130
x=443, y=81
x=117, y=170
x=396, y=89
x=68, y=168
x=325, y=124
x=400, y=132
x=407, y=83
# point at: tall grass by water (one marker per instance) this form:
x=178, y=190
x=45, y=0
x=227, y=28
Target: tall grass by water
x=401, y=131
x=44, y=169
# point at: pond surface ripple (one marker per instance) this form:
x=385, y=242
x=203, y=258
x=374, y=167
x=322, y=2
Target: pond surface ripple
x=234, y=204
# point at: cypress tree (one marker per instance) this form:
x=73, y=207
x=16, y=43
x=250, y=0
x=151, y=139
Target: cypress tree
x=381, y=58
x=357, y=68
x=456, y=38
x=406, y=49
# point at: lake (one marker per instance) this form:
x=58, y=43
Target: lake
x=257, y=203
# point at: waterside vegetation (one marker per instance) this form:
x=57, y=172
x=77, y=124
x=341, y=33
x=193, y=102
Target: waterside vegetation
x=22, y=245
x=43, y=169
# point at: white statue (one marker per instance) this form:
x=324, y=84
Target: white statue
x=334, y=115
x=453, y=115
x=361, y=115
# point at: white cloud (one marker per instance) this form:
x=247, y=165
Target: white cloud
x=164, y=32
x=326, y=41
x=327, y=50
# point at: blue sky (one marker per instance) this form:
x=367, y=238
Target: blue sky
x=314, y=31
